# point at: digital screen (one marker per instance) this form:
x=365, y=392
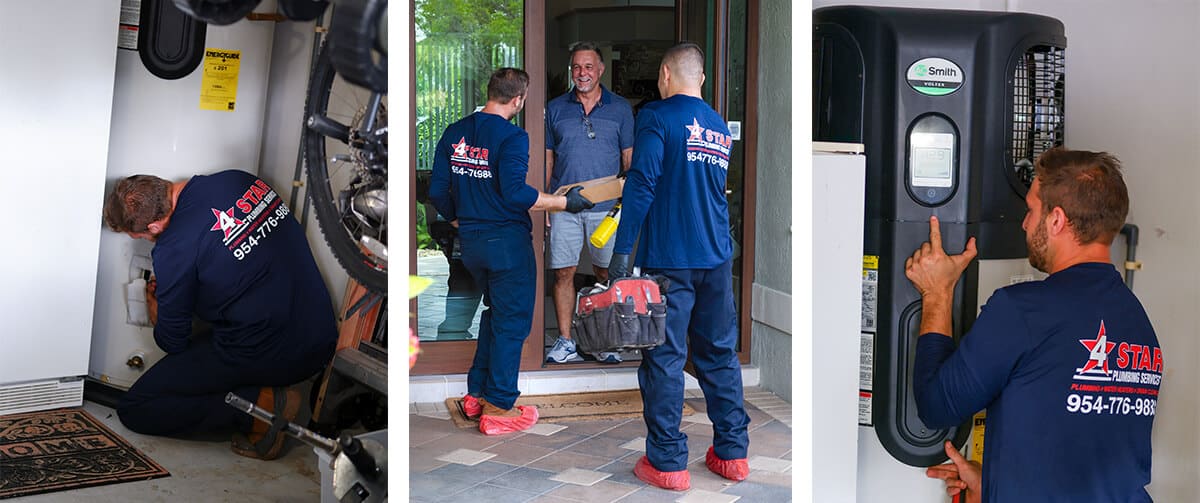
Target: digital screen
x=931, y=159
x=931, y=163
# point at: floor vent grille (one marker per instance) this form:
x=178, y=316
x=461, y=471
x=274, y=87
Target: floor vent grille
x=40, y=395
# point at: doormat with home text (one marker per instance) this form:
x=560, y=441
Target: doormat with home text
x=588, y=406
x=63, y=449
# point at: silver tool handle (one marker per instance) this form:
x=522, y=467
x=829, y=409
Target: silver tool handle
x=303, y=434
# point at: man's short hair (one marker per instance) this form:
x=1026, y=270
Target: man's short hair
x=506, y=84
x=137, y=201
x=1088, y=187
x=585, y=46
x=685, y=59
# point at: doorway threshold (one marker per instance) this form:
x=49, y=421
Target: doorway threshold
x=437, y=388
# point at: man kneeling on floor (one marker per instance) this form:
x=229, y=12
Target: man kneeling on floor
x=227, y=251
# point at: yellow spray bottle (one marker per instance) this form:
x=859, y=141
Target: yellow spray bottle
x=607, y=227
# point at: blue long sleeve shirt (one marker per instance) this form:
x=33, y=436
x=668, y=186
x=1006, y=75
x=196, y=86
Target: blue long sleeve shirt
x=233, y=256
x=1069, y=370
x=479, y=171
x=674, y=194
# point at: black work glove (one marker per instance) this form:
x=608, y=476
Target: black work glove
x=576, y=202
x=618, y=267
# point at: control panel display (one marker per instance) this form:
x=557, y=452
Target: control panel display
x=932, y=160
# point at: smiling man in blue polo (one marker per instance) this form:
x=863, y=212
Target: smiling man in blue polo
x=589, y=135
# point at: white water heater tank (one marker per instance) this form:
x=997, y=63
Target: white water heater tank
x=160, y=128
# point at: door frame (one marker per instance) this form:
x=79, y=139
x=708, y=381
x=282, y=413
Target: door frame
x=720, y=91
x=750, y=182
x=454, y=357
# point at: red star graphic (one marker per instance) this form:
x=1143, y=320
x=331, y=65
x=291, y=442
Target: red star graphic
x=1098, y=355
x=460, y=148
x=695, y=129
x=225, y=221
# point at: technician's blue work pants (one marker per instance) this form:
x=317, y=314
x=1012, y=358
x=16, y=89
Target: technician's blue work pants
x=700, y=312
x=502, y=262
x=185, y=392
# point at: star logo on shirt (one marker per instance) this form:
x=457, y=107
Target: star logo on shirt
x=225, y=221
x=696, y=129
x=1098, y=349
x=460, y=148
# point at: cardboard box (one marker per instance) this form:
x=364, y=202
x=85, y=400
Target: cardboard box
x=597, y=190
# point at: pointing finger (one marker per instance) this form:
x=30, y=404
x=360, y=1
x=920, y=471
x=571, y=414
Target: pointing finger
x=955, y=457
x=935, y=233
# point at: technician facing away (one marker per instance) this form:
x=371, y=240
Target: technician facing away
x=226, y=250
x=1068, y=368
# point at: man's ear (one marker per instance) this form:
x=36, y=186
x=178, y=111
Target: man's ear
x=1057, y=219
x=155, y=227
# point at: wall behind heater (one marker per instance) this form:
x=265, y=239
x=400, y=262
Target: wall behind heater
x=56, y=89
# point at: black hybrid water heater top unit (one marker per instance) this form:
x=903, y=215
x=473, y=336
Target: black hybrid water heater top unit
x=952, y=108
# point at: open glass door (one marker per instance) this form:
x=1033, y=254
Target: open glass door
x=631, y=39
x=457, y=45
x=721, y=28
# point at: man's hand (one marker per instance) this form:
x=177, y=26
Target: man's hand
x=618, y=267
x=576, y=202
x=152, y=301
x=933, y=272
x=959, y=475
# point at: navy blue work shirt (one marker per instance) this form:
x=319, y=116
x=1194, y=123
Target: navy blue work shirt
x=234, y=256
x=479, y=173
x=674, y=196
x=578, y=155
x=1069, y=370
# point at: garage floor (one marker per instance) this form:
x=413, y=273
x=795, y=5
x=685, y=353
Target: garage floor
x=201, y=471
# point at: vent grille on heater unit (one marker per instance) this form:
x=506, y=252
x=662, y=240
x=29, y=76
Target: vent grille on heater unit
x=1038, y=111
x=41, y=395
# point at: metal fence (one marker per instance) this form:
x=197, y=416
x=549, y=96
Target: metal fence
x=452, y=74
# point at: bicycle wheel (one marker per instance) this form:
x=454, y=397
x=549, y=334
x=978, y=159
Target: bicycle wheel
x=346, y=161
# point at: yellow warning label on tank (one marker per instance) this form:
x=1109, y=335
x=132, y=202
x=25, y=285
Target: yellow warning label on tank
x=977, y=431
x=870, y=261
x=218, y=88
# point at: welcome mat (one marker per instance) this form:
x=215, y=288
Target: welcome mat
x=592, y=405
x=63, y=449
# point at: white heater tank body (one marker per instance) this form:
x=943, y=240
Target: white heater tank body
x=159, y=128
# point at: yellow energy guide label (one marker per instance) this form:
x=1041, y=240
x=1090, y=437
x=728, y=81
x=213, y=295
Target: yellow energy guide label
x=218, y=88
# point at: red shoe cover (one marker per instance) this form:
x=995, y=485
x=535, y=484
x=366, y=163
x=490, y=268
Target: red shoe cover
x=732, y=469
x=674, y=481
x=471, y=406
x=499, y=425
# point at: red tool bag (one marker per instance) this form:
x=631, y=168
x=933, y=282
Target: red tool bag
x=629, y=313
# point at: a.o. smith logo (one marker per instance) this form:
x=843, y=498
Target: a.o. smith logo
x=934, y=76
